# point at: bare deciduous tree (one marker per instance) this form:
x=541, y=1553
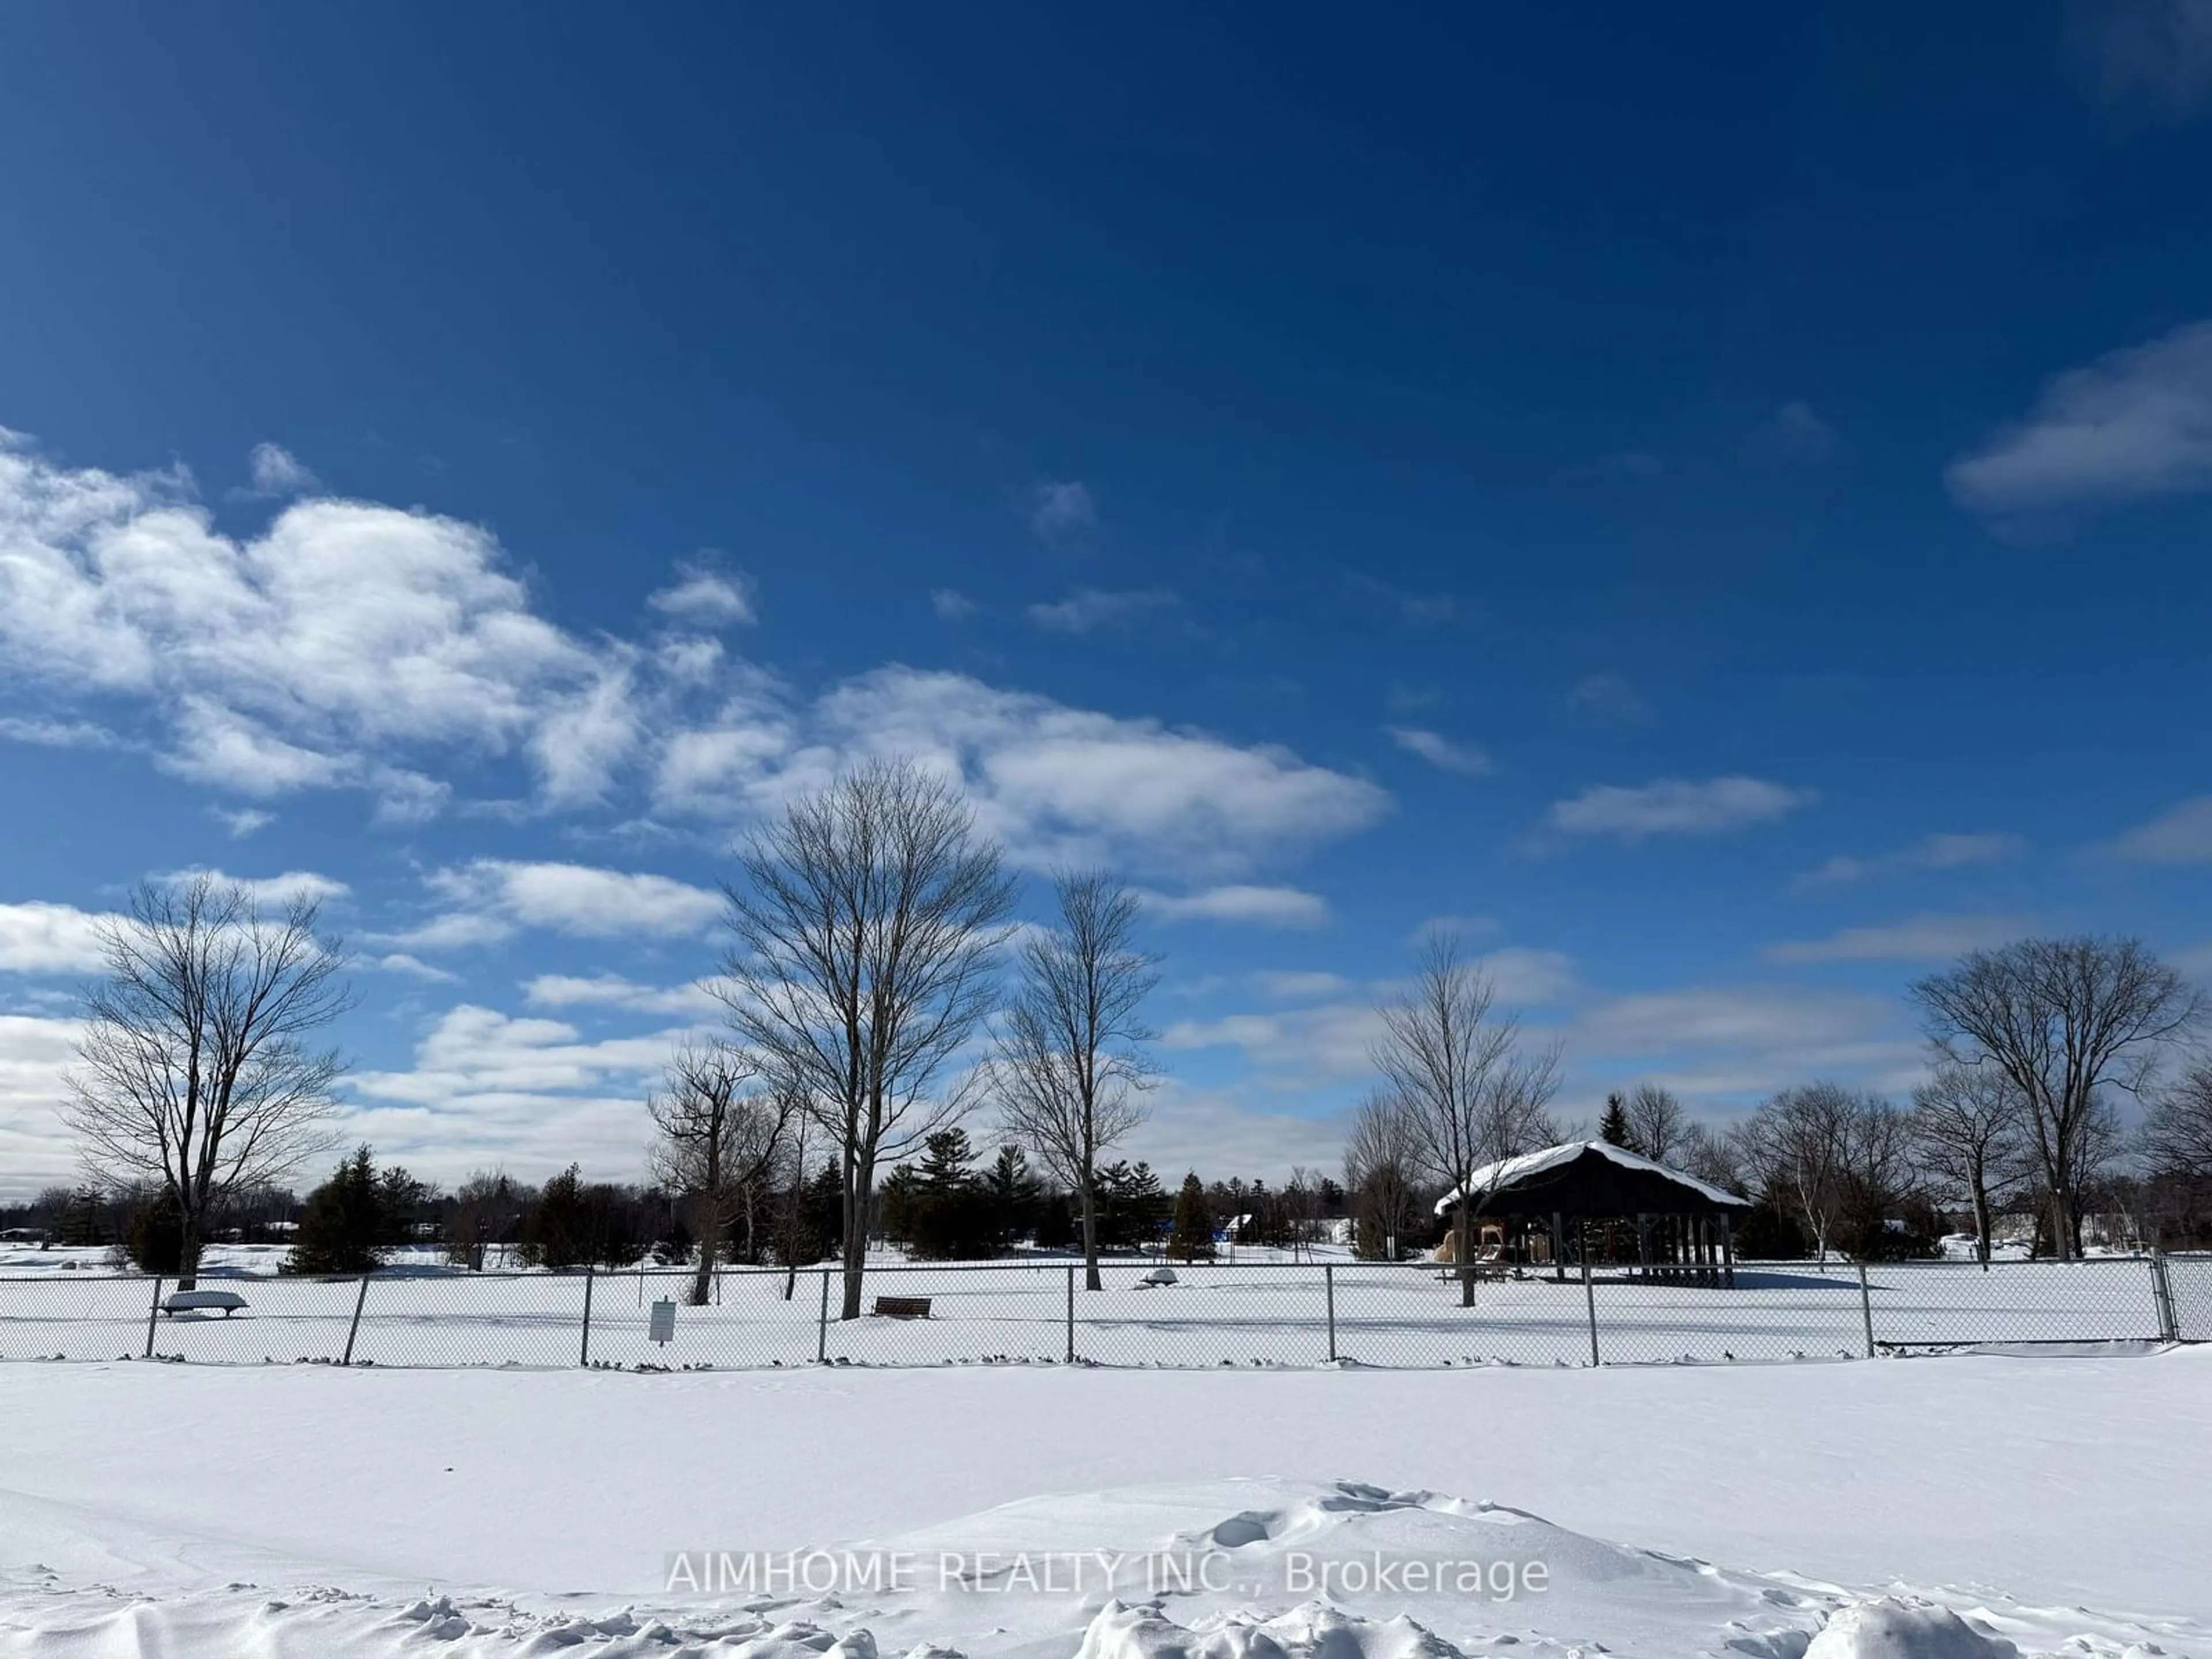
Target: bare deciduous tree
x=195, y=1074
x=1655, y=1124
x=1455, y=1063
x=1967, y=1128
x=867, y=925
x=1799, y=1145
x=716, y=1137
x=1379, y=1164
x=2060, y=1019
x=2178, y=1129
x=1714, y=1158
x=1070, y=1067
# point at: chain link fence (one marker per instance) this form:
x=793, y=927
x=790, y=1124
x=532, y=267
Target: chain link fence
x=1037, y=1312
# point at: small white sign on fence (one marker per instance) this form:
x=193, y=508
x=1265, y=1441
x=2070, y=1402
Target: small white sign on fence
x=663, y=1326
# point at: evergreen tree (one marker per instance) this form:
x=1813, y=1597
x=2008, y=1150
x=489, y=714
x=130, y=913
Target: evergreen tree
x=344, y=1226
x=1055, y=1227
x=1192, y=1235
x=556, y=1229
x=1014, y=1194
x=1612, y=1127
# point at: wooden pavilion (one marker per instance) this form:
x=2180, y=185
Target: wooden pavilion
x=1597, y=1203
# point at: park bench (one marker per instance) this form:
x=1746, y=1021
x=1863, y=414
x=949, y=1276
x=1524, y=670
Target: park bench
x=178, y=1302
x=902, y=1307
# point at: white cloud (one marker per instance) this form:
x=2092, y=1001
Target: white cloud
x=269, y=891
x=1917, y=939
x=1441, y=751
x=1058, y=784
x=2133, y=425
x=1610, y=695
x=1262, y=907
x=39, y=937
x=707, y=597
x=2157, y=51
x=357, y=646
x=57, y=734
x=1294, y=987
x=1062, y=512
x=493, y=898
x=1089, y=608
x=34, y=1052
x=243, y=821
x=1676, y=807
x=1727, y=1044
x=398, y=961
x=1794, y=430
x=1218, y=1134
x=277, y=471
x=2180, y=835
x=308, y=656
x=613, y=991
x=951, y=604
x=488, y=1089
x=1944, y=852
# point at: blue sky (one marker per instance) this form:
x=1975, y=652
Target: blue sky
x=1715, y=503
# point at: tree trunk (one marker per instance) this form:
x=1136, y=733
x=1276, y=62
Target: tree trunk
x=1090, y=1279
x=1981, y=1222
x=859, y=1188
x=188, y=1249
x=1466, y=1250
x=702, y=1281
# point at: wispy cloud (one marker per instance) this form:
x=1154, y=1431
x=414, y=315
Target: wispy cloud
x=1675, y=806
x=1944, y=852
x=2155, y=52
x=2180, y=835
x=1062, y=512
x=275, y=471
x=293, y=886
x=1918, y=938
x=707, y=596
x=1610, y=695
x=1089, y=608
x=490, y=899
x=1252, y=906
x=613, y=991
x=2133, y=425
x=1796, y=431
x=951, y=604
x=241, y=821
x=1442, y=752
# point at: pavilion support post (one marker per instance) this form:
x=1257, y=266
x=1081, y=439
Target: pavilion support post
x=1559, y=1249
x=1727, y=1250
x=1643, y=1246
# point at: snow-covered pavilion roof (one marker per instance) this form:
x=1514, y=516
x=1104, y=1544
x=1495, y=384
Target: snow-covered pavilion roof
x=1491, y=1180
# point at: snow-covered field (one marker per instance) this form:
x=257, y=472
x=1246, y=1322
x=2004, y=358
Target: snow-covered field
x=1906, y=1507
x=1226, y=1314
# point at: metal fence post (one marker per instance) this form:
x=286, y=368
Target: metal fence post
x=354, y=1330
x=822, y=1330
x=584, y=1356
x=1866, y=1309
x=1328, y=1285
x=1589, y=1295
x=2161, y=1295
x=153, y=1310
x=1071, y=1313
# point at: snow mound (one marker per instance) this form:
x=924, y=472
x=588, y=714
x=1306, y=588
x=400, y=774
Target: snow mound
x=1899, y=1627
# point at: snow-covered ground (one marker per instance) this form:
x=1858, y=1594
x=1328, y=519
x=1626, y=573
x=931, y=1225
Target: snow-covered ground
x=1237, y=1314
x=1905, y=1507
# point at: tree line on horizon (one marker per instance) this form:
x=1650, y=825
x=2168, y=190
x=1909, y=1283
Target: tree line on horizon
x=879, y=994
